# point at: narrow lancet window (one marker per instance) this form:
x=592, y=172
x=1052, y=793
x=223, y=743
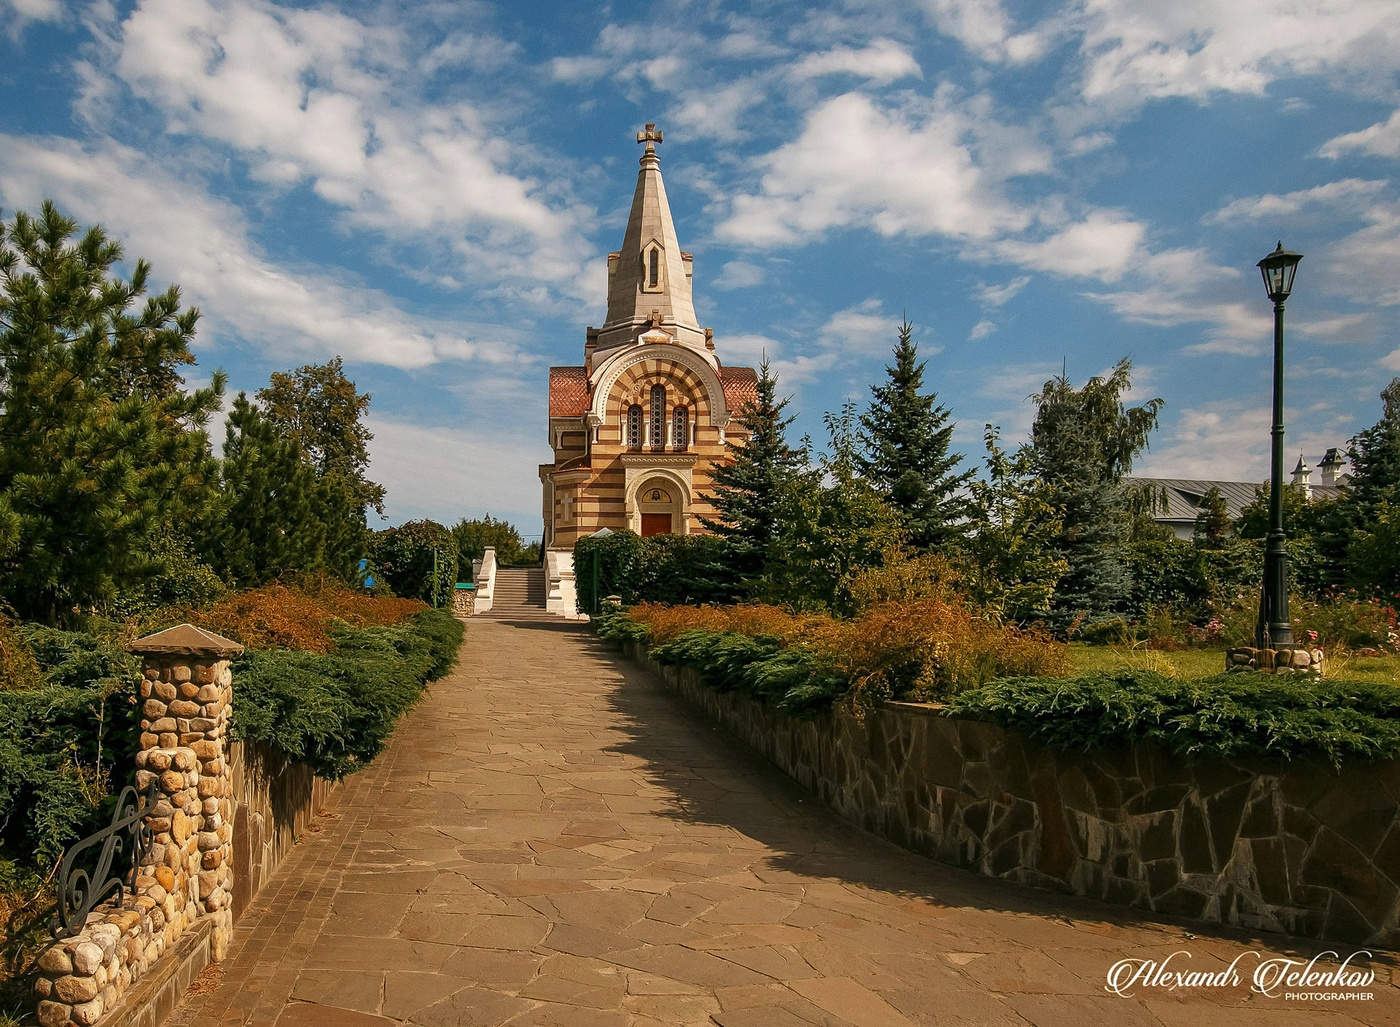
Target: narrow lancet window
x=634, y=427
x=658, y=417
x=680, y=428
x=653, y=269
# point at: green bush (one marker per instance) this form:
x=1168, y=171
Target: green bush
x=1231, y=715
x=335, y=711
x=405, y=557
x=178, y=578
x=59, y=746
x=793, y=678
x=671, y=569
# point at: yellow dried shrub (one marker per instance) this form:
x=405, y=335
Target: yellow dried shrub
x=924, y=649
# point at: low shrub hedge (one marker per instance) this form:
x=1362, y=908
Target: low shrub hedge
x=66, y=745
x=925, y=649
x=335, y=711
x=1230, y=715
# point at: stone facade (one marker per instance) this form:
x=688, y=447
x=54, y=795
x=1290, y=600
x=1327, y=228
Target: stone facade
x=638, y=428
x=1256, y=844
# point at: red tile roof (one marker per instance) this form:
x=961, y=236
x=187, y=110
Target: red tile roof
x=568, y=392
x=740, y=387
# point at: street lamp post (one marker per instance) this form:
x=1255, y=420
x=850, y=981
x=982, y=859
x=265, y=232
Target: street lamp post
x=1274, y=629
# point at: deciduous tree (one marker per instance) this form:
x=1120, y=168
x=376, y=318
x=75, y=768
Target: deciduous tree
x=1083, y=442
x=319, y=407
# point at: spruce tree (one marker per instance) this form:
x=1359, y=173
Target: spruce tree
x=906, y=435
x=99, y=440
x=1370, y=502
x=1375, y=459
x=1213, y=524
x=1083, y=442
x=748, y=488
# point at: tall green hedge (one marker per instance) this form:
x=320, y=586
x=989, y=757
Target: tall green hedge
x=672, y=569
x=417, y=560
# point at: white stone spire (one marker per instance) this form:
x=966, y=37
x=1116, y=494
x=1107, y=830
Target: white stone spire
x=649, y=278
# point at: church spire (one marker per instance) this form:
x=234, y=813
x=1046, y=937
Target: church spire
x=649, y=278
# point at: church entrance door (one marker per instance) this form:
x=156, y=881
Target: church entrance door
x=656, y=524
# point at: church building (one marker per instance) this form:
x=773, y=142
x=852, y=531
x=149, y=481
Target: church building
x=638, y=427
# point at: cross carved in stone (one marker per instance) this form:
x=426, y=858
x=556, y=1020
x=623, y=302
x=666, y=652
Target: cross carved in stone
x=651, y=135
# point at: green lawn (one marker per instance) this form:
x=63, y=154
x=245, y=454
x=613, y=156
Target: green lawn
x=1201, y=663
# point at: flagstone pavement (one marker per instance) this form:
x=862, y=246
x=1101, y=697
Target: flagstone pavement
x=550, y=838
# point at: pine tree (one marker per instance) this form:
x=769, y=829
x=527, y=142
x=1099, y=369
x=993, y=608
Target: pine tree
x=274, y=514
x=748, y=488
x=1083, y=442
x=1213, y=524
x=906, y=436
x=98, y=438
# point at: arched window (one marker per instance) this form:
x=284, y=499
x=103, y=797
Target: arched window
x=634, y=427
x=658, y=417
x=680, y=427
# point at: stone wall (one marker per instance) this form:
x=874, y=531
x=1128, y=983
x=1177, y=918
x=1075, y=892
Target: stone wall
x=275, y=799
x=225, y=817
x=185, y=878
x=1257, y=844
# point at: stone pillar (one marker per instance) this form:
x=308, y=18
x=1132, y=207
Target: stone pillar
x=187, y=706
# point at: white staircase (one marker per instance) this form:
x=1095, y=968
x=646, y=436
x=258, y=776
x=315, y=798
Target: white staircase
x=518, y=593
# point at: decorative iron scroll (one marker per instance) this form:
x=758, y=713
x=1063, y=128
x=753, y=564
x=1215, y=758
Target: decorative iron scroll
x=127, y=837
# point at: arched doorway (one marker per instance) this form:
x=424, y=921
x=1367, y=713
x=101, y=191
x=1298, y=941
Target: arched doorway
x=659, y=504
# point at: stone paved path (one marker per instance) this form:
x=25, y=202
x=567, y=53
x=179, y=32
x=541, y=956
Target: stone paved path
x=551, y=839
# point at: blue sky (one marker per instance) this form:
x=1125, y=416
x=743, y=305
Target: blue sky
x=431, y=189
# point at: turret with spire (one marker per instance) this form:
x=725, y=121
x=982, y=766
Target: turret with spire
x=649, y=278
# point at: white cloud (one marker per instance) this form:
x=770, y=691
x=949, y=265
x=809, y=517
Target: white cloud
x=997, y=295
x=882, y=60
x=981, y=330
x=748, y=348
x=985, y=30
x=1229, y=440
x=902, y=172
x=1380, y=140
x=739, y=274
x=19, y=13
x=1225, y=346
x=466, y=467
x=865, y=326
x=313, y=95
x=1347, y=192
x=1135, y=52
x=1104, y=245
x=203, y=243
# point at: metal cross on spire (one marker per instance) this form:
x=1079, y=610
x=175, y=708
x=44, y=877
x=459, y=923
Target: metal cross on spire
x=651, y=136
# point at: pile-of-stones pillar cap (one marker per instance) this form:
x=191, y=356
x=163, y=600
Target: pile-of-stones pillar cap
x=185, y=640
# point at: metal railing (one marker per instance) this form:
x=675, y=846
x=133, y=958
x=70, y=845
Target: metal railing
x=120, y=847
